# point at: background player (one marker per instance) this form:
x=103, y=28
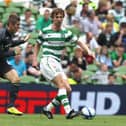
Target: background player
x=6, y=71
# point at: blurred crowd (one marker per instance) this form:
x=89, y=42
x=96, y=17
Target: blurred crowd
x=101, y=24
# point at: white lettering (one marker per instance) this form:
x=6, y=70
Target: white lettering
x=76, y=102
x=100, y=103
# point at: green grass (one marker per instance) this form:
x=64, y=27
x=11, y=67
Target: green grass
x=40, y=120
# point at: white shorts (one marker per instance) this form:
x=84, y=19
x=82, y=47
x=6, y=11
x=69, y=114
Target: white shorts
x=50, y=68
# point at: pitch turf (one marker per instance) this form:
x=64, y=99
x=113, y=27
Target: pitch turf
x=40, y=120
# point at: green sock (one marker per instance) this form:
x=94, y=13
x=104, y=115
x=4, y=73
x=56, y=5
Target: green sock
x=55, y=102
x=62, y=96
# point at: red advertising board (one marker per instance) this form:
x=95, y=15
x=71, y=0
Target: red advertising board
x=29, y=100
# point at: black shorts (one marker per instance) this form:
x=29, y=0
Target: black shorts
x=4, y=68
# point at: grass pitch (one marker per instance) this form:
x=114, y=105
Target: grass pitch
x=59, y=120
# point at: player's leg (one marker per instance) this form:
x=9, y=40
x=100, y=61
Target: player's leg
x=52, y=70
x=63, y=90
x=12, y=76
x=47, y=109
x=55, y=102
x=48, y=74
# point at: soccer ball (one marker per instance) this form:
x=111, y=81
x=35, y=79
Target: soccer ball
x=88, y=112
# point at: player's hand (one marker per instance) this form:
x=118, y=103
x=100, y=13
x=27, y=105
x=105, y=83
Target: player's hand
x=35, y=64
x=91, y=54
x=27, y=37
x=17, y=50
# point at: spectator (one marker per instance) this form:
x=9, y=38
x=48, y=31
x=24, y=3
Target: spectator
x=111, y=79
x=76, y=27
x=118, y=56
x=101, y=75
x=103, y=57
x=27, y=22
x=109, y=4
x=36, y=3
x=74, y=72
x=19, y=65
x=117, y=11
x=119, y=38
x=79, y=58
x=105, y=36
x=83, y=7
x=84, y=11
x=70, y=12
x=123, y=19
x=43, y=21
x=110, y=18
x=91, y=24
x=49, y=3
x=102, y=10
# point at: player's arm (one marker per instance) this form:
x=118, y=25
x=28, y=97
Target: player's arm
x=35, y=54
x=5, y=54
x=36, y=49
x=85, y=48
x=73, y=39
x=13, y=43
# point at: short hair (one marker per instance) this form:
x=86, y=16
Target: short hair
x=13, y=19
x=46, y=10
x=111, y=75
x=90, y=12
x=28, y=54
x=118, y=3
x=84, y=4
x=57, y=11
x=28, y=10
x=123, y=25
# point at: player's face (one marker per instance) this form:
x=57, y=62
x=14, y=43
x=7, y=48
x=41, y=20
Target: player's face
x=57, y=19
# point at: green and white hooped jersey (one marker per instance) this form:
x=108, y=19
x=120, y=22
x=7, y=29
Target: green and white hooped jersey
x=53, y=42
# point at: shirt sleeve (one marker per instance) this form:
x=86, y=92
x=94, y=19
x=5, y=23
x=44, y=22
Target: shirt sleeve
x=70, y=37
x=4, y=54
x=40, y=38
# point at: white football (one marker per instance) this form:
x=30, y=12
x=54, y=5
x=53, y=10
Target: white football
x=88, y=112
